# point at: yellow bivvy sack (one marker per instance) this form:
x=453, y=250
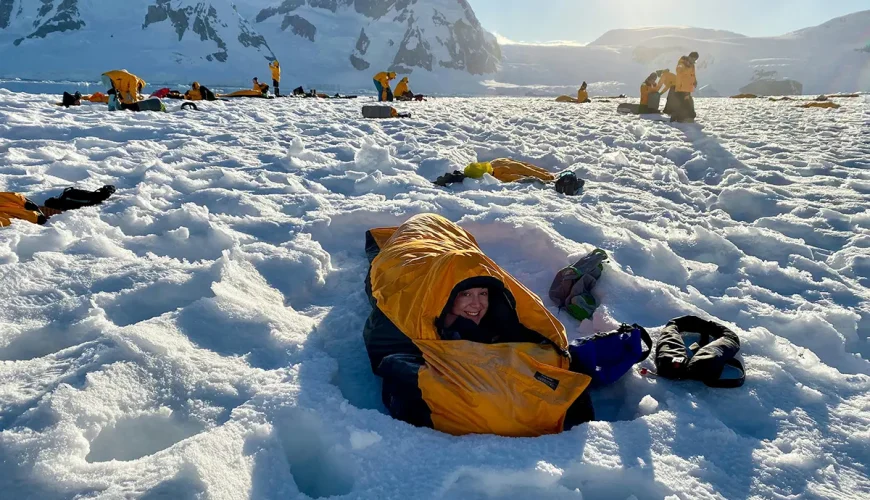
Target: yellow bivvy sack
x=508, y=170
x=16, y=206
x=517, y=385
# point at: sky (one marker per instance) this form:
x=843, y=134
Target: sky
x=585, y=20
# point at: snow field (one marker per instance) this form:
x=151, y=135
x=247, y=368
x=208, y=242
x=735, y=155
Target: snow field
x=199, y=334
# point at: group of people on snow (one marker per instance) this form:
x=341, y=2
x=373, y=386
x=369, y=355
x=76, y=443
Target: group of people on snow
x=125, y=91
x=385, y=93
x=678, y=86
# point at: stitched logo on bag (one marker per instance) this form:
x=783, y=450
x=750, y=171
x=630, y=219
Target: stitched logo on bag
x=548, y=381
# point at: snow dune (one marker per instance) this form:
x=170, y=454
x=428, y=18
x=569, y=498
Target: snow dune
x=199, y=335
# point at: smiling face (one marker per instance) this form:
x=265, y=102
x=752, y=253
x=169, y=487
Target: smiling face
x=470, y=304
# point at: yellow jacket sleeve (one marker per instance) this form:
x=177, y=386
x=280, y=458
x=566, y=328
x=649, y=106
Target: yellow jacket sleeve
x=401, y=88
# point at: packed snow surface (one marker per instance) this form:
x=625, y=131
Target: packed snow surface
x=200, y=334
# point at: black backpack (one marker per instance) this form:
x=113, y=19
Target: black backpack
x=207, y=94
x=72, y=198
x=448, y=179
x=568, y=183
x=710, y=359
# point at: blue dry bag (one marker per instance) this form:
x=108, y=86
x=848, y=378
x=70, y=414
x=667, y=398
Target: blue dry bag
x=607, y=356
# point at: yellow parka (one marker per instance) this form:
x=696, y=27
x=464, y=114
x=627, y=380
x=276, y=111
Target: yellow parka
x=384, y=78
x=276, y=70
x=667, y=81
x=471, y=387
x=582, y=95
x=686, y=80
x=645, y=91
x=194, y=94
x=16, y=206
x=402, y=87
x=126, y=85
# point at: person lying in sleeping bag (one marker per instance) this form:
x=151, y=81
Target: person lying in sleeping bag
x=17, y=206
x=461, y=345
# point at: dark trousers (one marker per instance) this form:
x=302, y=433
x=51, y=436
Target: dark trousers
x=683, y=107
x=384, y=94
x=275, y=86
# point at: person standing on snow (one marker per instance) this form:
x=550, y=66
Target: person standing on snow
x=382, y=84
x=686, y=83
x=276, y=76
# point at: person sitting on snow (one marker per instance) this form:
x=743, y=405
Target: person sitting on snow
x=198, y=92
x=582, y=94
x=403, y=93
x=260, y=87
x=648, y=87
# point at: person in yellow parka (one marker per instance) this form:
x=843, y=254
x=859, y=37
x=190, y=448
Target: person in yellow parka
x=126, y=85
x=402, y=88
x=582, y=94
x=649, y=86
x=382, y=84
x=461, y=345
x=262, y=88
x=687, y=81
x=667, y=82
x=403, y=93
x=199, y=92
x=276, y=76
x=194, y=94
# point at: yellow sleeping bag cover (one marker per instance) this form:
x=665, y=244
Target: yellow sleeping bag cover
x=471, y=387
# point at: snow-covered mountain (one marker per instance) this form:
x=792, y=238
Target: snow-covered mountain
x=158, y=39
x=341, y=44
x=320, y=42
x=327, y=42
x=831, y=57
